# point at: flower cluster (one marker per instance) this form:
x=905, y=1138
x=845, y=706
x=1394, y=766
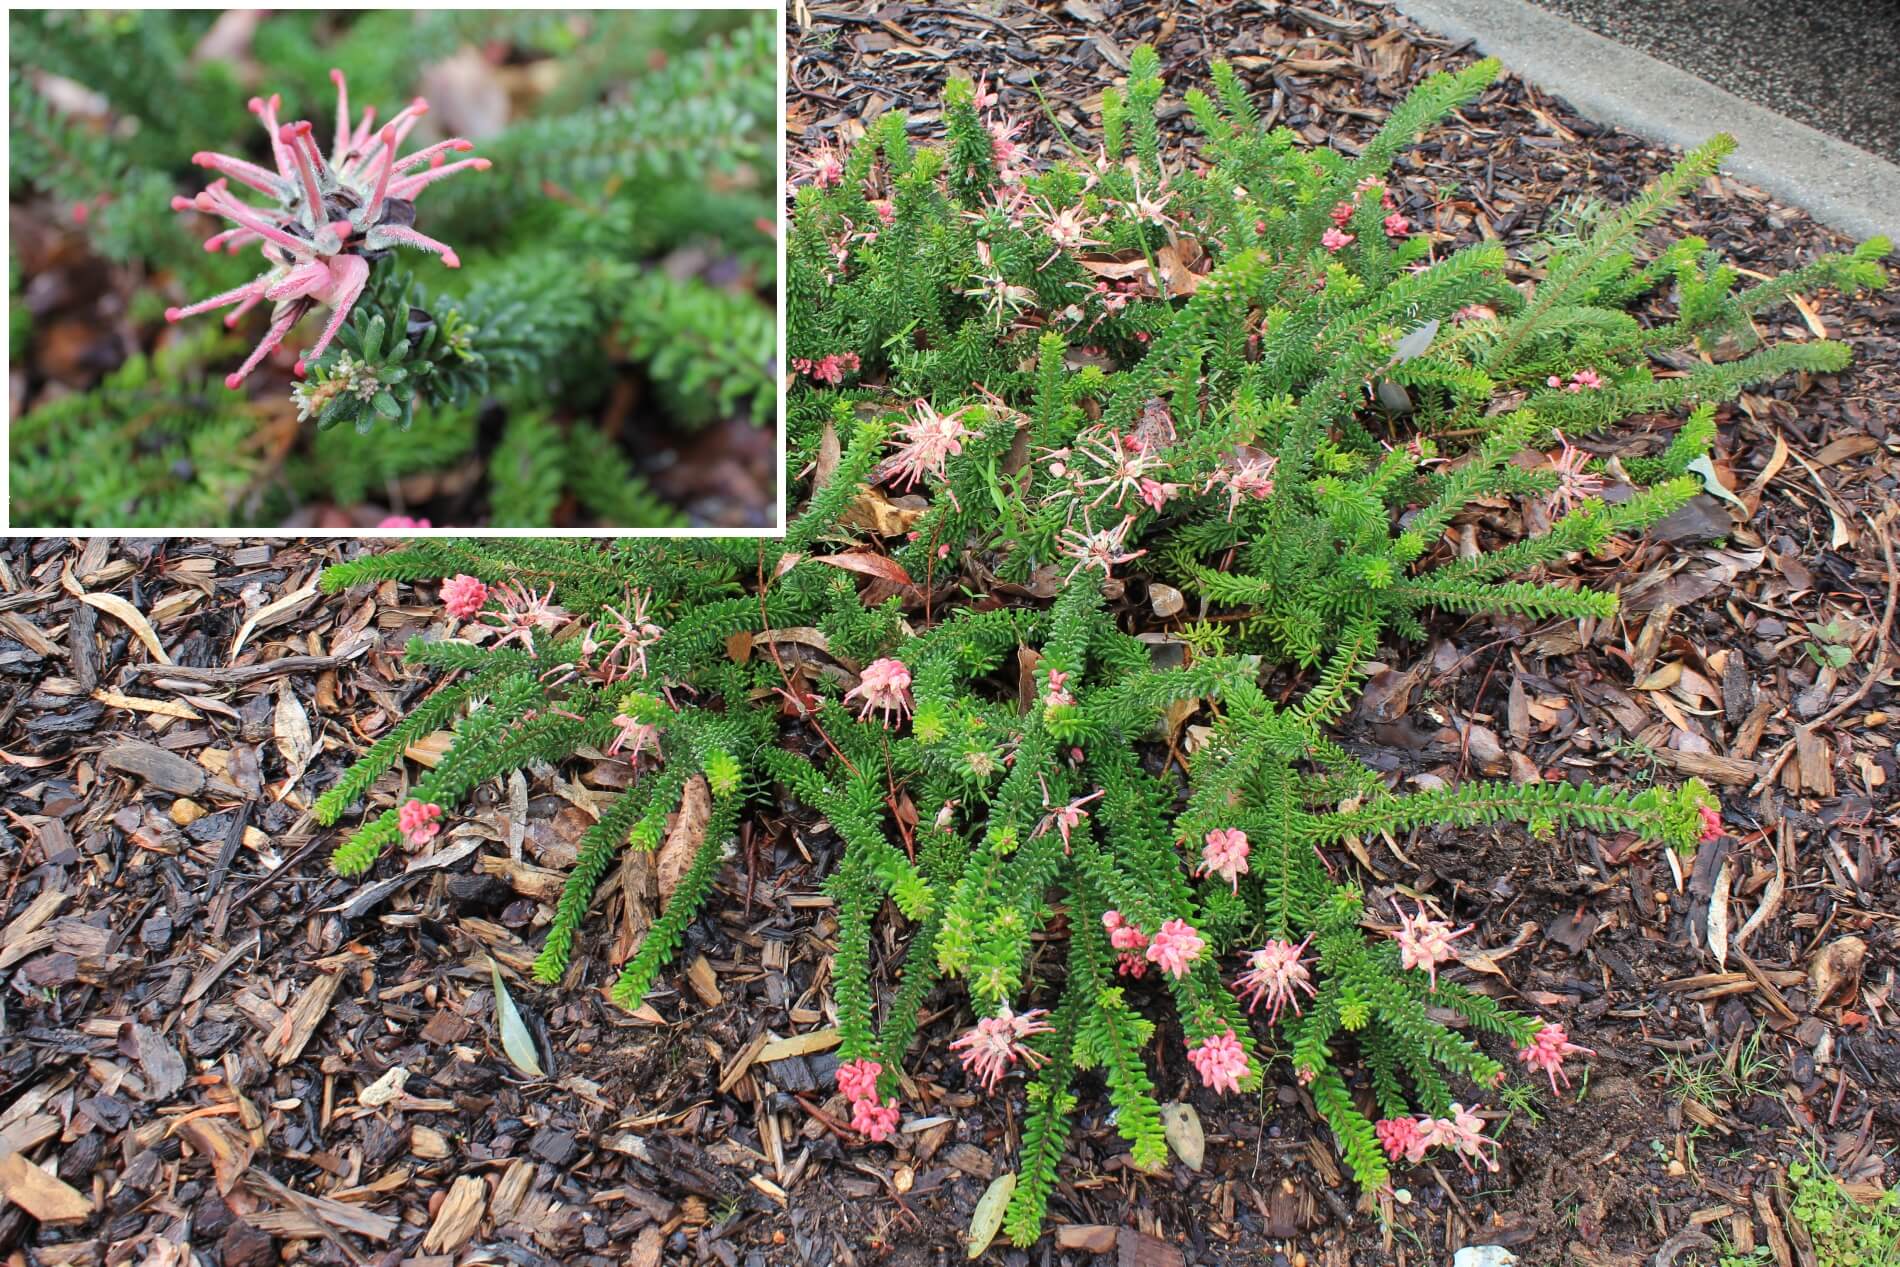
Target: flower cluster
x=1225, y=855
x=829, y=370
x=871, y=1118
x=1275, y=976
x=419, y=821
x=996, y=1043
x=331, y=217
x=1462, y=1131
x=1129, y=940
x=1547, y=1050
x=1220, y=1060
x=1424, y=942
x=883, y=687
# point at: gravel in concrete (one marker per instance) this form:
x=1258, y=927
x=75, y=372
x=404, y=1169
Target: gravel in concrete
x=1831, y=64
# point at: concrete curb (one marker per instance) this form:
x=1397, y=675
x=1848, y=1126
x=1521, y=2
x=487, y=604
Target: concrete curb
x=1837, y=183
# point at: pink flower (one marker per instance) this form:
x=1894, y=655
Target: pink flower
x=419, y=821
x=1225, y=855
x=1157, y=495
x=1245, y=474
x=523, y=612
x=1057, y=694
x=1463, y=1132
x=822, y=165
x=1066, y=818
x=1547, y=1051
x=635, y=737
x=1401, y=1137
x=1221, y=1061
x=329, y=218
x=1130, y=964
x=1396, y=225
x=1274, y=976
x=930, y=440
x=401, y=521
x=622, y=638
x=1175, y=946
x=1336, y=239
x=858, y=1079
x=1424, y=942
x=874, y=1121
x=1711, y=823
x=997, y=1042
x=1123, y=935
x=883, y=686
x=463, y=595
x=1574, y=482
x=1341, y=213
x=1104, y=549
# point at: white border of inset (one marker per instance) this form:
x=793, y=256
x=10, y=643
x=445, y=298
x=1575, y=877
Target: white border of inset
x=777, y=123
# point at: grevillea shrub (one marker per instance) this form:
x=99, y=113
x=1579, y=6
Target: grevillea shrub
x=1237, y=370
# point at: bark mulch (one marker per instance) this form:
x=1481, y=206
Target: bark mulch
x=208, y=1040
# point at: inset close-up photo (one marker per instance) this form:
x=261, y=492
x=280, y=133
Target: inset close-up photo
x=347, y=270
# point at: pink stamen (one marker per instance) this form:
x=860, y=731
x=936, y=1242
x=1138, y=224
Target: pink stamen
x=267, y=111
x=409, y=237
x=215, y=302
x=342, y=114
x=408, y=186
x=279, y=328
x=293, y=133
x=218, y=202
x=382, y=179
x=349, y=274
x=251, y=301
x=454, y=144
x=236, y=168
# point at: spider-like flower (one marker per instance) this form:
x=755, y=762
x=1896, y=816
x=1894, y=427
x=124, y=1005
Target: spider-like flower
x=1221, y=1061
x=523, y=612
x=1066, y=818
x=1424, y=942
x=1225, y=854
x=1574, y=483
x=1175, y=946
x=1152, y=207
x=1068, y=229
x=625, y=637
x=1102, y=549
x=1124, y=465
x=930, y=440
x=883, y=686
x=463, y=596
x=1547, y=1051
x=996, y=1043
x=419, y=821
x=1336, y=239
x=331, y=220
x=635, y=737
x=1401, y=1137
x=1275, y=976
x=1711, y=823
x=1246, y=474
x=822, y=165
x=1463, y=1131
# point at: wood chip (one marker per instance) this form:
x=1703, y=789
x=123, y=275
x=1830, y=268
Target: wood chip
x=286, y=1042
x=459, y=1218
x=46, y=1198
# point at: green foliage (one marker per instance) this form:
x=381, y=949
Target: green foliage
x=999, y=756
x=620, y=225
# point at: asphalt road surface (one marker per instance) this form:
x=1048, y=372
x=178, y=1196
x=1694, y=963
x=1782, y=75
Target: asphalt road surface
x=1831, y=64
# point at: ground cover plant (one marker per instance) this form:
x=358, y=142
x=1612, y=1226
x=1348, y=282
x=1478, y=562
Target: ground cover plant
x=1280, y=415
x=563, y=279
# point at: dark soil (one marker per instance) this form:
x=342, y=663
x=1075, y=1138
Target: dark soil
x=202, y=1026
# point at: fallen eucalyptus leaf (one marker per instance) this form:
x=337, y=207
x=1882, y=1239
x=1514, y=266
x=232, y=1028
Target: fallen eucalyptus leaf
x=988, y=1217
x=516, y=1042
x=1706, y=469
x=1182, y=1126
